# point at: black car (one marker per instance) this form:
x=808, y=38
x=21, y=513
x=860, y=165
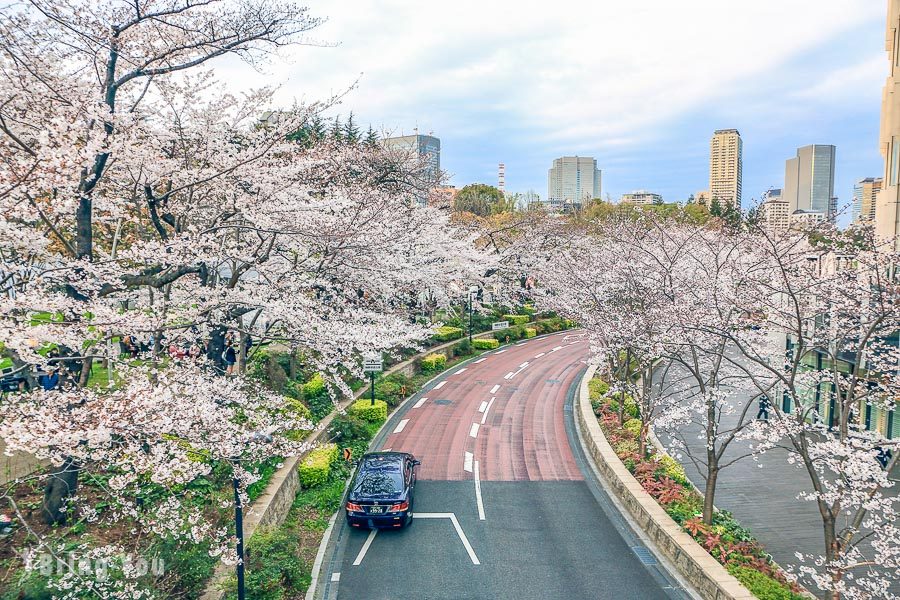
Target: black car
x=381, y=493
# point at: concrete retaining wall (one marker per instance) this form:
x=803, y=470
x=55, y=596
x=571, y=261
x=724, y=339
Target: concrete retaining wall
x=694, y=563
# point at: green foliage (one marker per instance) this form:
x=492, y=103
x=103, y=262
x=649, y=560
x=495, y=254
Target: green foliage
x=295, y=409
x=445, y=334
x=530, y=332
x=365, y=410
x=631, y=407
x=464, y=348
x=265, y=470
x=626, y=447
x=392, y=392
x=273, y=567
x=597, y=388
x=730, y=529
x=191, y=562
x=433, y=362
x=314, y=469
x=481, y=200
x=672, y=469
x=315, y=393
x=686, y=508
x=634, y=426
x=347, y=429
x=762, y=586
x=485, y=344
x=517, y=319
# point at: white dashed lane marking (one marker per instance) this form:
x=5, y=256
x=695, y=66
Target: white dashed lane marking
x=420, y=402
x=440, y=385
x=365, y=548
x=487, y=409
x=460, y=371
x=473, y=432
x=480, y=360
x=495, y=388
x=467, y=465
x=401, y=425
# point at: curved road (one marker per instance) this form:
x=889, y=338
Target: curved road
x=505, y=507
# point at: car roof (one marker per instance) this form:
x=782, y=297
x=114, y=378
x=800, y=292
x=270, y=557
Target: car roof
x=384, y=458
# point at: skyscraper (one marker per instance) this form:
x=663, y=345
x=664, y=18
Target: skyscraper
x=726, y=166
x=809, y=180
x=865, y=192
x=425, y=146
x=887, y=206
x=573, y=180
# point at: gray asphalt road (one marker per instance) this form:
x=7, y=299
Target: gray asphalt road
x=542, y=537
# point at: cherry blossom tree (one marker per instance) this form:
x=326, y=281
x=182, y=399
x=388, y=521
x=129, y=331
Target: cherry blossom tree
x=829, y=304
x=140, y=200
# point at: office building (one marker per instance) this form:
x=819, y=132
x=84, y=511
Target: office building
x=428, y=148
x=642, y=197
x=865, y=193
x=809, y=180
x=702, y=197
x=887, y=205
x=572, y=181
x=775, y=212
x=726, y=165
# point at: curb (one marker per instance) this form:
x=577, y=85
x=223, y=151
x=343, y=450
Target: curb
x=711, y=580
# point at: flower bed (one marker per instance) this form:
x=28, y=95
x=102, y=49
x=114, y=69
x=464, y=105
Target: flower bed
x=664, y=479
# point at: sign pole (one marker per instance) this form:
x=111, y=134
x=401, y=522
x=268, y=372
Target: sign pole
x=372, y=378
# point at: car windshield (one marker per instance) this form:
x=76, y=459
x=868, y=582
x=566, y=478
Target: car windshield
x=379, y=481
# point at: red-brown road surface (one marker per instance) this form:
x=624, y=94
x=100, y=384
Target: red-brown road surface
x=505, y=507
x=524, y=435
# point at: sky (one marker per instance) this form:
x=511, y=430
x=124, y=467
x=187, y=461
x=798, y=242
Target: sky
x=640, y=86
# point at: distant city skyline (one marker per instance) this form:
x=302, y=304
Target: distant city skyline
x=646, y=117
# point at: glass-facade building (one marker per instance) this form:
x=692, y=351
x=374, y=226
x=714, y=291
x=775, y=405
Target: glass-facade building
x=809, y=180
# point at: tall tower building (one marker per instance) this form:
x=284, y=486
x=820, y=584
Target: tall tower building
x=427, y=148
x=809, y=180
x=887, y=205
x=865, y=192
x=726, y=166
x=573, y=180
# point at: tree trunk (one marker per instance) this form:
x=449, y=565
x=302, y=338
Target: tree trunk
x=241, y=364
x=86, y=364
x=216, y=347
x=60, y=487
x=84, y=235
x=709, y=493
x=292, y=365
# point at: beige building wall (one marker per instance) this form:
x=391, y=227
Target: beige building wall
x=865, y=193
x=887, y=208
x=726, y=167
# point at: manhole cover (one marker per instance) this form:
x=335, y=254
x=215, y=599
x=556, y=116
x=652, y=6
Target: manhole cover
x=644, y=555
x=443, y=402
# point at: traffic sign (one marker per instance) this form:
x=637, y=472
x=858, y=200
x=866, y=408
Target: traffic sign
x=372, y=364
x=500, y=325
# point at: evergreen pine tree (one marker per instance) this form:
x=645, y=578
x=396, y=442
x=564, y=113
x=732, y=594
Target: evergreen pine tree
x=317, y=128
x=337, y=132
x=351, y=131
x=371, y=139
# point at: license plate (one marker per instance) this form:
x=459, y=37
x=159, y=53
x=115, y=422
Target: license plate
x=375, y=510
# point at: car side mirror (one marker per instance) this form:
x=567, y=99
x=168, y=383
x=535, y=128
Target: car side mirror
x=416, y=463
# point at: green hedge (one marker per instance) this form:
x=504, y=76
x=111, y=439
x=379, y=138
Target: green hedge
x=315, y=393
x=433, y=362
x=315, y=467
x=488, y=344
x=530, y=332
x=634, y=426
x=365, y=410
x=445, y=334
x=762, y=586
x=517, y=319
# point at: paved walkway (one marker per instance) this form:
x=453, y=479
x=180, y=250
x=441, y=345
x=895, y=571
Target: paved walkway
x=762, y=492
x=12, y=467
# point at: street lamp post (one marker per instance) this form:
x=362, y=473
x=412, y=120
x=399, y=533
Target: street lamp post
x=239, y=516
x=239, y=532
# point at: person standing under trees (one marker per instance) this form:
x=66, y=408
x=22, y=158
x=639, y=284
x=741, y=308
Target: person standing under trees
x=763, y=414
x=229, y=356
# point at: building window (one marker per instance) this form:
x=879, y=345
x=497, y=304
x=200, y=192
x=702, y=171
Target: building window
x=895, y=160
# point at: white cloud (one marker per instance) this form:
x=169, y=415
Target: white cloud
x=570, y=75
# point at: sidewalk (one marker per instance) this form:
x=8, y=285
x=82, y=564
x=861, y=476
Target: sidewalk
x=761, y=492
x=13, y=467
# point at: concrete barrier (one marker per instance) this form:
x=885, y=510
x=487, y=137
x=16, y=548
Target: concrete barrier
x=709, y=578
